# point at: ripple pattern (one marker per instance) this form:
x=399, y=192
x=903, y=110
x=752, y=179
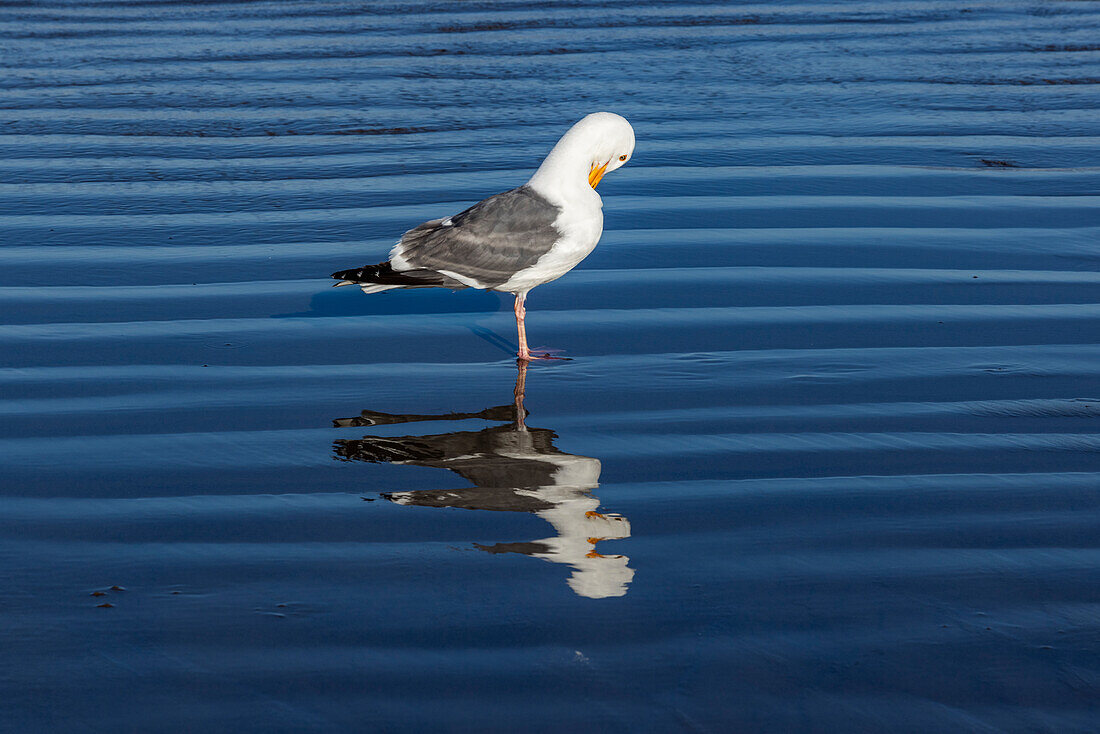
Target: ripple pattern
x=833, y=414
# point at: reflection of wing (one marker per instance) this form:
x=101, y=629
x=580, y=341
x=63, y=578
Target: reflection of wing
x=495, y=457
x=504, y=413
x=499, y=499
x=513, y=469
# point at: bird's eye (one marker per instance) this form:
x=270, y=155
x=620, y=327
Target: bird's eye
x=622, y=157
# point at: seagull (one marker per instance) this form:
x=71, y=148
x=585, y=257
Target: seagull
x=514, y=241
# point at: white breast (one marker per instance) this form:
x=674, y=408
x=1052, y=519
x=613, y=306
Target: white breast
x=581, y=226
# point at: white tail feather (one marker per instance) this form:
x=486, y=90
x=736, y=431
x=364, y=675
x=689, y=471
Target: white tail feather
x=377, y=287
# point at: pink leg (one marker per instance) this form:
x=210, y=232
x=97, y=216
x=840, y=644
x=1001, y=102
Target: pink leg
x=524, y=354
x=521, y=313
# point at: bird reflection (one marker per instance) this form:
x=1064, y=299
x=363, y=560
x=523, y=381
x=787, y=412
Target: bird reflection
x=514, y=468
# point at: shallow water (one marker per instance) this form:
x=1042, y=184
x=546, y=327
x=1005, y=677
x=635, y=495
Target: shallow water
x=826, y=456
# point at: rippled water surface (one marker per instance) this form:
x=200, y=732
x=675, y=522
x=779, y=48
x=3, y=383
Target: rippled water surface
x=826, y=457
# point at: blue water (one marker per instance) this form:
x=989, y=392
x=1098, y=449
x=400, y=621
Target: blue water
x=826, y=457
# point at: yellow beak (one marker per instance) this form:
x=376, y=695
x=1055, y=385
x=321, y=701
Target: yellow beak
x=596, y=173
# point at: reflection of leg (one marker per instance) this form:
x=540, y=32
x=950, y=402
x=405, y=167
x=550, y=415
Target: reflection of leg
x=521, y=386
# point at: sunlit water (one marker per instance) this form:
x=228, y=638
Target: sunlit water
x=826, y=457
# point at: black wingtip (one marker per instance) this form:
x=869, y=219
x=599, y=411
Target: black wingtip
x=347, y=274
x=384, y=274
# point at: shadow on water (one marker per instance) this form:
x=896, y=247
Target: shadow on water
x=514, y=468
x=349, y=302
x=476, y=303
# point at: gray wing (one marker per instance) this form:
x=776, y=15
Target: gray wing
x=489, y=242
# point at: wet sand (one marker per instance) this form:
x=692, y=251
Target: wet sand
x=825, y=457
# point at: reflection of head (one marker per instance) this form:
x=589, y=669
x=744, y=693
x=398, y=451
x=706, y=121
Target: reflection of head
x=514, y=469
x=579, y=529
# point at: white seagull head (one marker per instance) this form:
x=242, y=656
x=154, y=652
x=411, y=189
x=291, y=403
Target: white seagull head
x=598, y=144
